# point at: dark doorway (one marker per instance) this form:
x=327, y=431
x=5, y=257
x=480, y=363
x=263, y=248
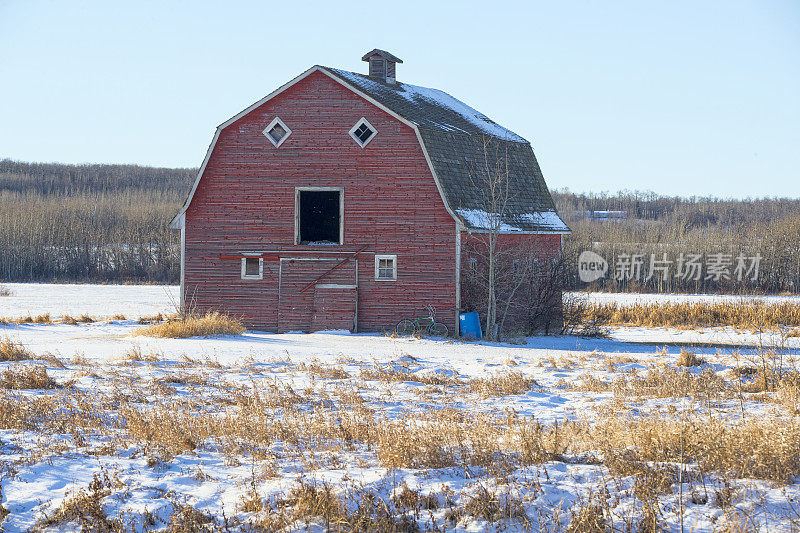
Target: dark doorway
x=320, y=217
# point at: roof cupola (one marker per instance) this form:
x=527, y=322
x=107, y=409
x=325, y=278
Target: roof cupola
x=382, y=65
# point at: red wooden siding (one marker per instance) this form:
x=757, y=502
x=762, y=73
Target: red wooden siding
x=545, y=246
x=245, y=203
x=334, y=308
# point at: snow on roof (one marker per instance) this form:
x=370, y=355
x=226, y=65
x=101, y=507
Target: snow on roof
x=423, y=97
x=441, y=98
x=545, y=220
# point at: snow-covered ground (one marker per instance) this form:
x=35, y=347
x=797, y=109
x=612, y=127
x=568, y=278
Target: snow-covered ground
x=134, y=301
x=103, y=369
x=59, y=299
x=626, y=299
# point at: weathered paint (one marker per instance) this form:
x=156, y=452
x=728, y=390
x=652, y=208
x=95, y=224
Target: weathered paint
x=245, y=202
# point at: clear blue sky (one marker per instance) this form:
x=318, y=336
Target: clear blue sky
x=680, y=97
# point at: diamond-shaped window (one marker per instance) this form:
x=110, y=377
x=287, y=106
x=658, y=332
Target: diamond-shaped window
x=277, y=132
x=363, y=132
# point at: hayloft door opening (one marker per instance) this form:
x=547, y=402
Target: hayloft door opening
x=318, y=214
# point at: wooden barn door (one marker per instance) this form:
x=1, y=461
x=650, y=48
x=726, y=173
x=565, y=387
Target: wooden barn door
x=332, y=303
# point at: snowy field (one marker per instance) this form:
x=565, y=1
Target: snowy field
x=436, y=433
x=134, y=301
x=625, y=299
x=58, y=299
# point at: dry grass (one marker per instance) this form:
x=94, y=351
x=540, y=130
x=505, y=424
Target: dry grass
x=667, y=382
x=353, y=510
x=151, y=319
x=763, y=448
x=22, y=377
x=744, y=314
x=5, y=291
x=212, y=323
x=660, y=382
x=81, y=360
x=47, y=319
x=84, y=508
x=187, y=519
x=502, y=384
x=135, y=354
x=323, y=371
x=43, y=319
x=688, y=358
x=401, y=371
x=492, y=507
x=69, y=320
x=334, y=424
x=749, y=383
x=589, y=516
x=13, y=351
x=85, y=319
x=255, y=419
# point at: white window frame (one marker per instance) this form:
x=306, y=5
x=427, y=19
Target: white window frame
x=377, y=267
x=358, y=124
x=297, y=191
x=260, y=274
x=277, y=120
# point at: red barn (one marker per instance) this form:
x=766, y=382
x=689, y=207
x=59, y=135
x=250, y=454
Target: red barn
x=340, y=201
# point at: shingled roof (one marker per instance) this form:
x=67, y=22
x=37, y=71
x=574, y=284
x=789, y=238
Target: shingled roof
x=461, y=143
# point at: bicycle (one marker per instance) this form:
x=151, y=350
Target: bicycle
x=409, y=326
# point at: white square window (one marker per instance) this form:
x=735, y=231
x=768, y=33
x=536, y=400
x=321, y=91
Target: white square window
x=385, y=267
x=277, y=132
x=253, y=267
x=363, y=132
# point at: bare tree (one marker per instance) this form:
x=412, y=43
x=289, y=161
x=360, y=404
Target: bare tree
x=89, y=222
x=493, y=180
x=518, y=285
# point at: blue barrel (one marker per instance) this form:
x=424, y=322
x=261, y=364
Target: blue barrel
x=470, y=325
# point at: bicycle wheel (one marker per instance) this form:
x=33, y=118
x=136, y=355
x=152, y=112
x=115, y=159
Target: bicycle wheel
x=437, y=329
x=405, y=327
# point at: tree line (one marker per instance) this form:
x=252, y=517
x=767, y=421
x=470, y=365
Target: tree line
x=735, y=246
x=110, y=223
x=90, y=222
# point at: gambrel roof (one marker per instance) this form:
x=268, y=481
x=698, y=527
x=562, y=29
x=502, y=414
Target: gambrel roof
x=460, y=144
